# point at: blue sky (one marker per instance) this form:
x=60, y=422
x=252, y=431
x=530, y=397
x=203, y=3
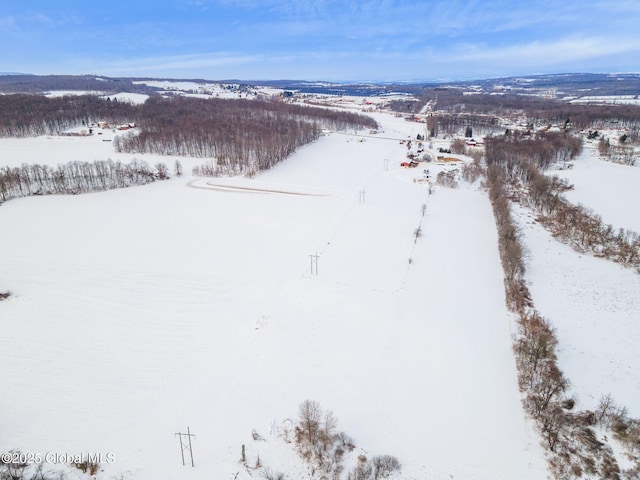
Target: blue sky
x=375, y=40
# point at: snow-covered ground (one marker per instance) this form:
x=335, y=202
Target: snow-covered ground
x=134, y=98
x=593, y=304
x=71, y=93
x=609, y=189
x=608, y=99
x=53, y=149
x=185, y=88
x=128, y=97
x=210, y=89
x=139, y=312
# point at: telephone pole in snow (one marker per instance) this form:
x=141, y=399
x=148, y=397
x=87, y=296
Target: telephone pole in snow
x=186, y=445
x=314, y=263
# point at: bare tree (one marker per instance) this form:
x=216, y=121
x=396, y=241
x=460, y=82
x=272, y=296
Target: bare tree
x=458, y=146
x=328, y=428
x=310, y=416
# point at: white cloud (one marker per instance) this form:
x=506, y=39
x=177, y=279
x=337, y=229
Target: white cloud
x=40, y=18
x=156, y=65
x=8, y=23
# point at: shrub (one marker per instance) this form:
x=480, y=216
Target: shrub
x=447, y=179
x=384, y=465
x=269, y=474
x=87, y=466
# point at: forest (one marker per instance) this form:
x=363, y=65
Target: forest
x=235, y=136
x=24, y=115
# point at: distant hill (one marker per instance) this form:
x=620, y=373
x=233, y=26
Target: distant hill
x=556, y=85
x=25, y=83
x=578, y=84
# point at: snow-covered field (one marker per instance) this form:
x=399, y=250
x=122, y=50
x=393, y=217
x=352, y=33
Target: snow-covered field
x=609, y=189
x=139, y=312
x=208, y=90
x=53, y=150
x=608, y=99
x=593, y=304
x=133, y=98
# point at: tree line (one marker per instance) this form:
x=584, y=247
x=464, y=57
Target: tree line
x=543, y=384
x=44, y=83
x=534, y=110
x=445, y=123
x=569, y=436
x=455, y=112
x=517, y=152
x=522, y=161
x=76, y=177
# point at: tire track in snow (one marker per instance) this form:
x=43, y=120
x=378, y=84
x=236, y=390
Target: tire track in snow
x=238, y=189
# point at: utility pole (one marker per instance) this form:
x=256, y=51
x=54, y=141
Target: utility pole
x=186, y=445
x=314, y=263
